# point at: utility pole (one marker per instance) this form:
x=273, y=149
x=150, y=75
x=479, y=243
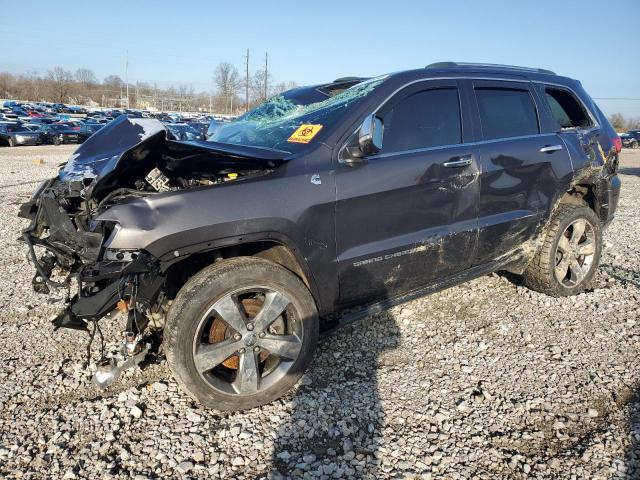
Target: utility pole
x=266, y=72
x=126, y=75
x=246, y=84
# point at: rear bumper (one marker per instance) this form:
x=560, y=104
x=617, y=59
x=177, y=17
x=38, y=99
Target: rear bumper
x=609, y=197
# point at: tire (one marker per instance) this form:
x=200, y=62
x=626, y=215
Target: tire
x=635, y=145
x=195, y=333
x=11, y=142
x=558, y=250
x=56, y=141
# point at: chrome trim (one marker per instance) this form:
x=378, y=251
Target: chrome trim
x=458, y=145
x=471, y=78
x=551, y=148
x=434, y=79
x=462, y=162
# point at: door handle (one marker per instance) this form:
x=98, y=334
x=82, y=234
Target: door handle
x=551, y=148
x=464, y=161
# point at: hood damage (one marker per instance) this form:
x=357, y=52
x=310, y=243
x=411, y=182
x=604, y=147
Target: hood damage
x=126, y=160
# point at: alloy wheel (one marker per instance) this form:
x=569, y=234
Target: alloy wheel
x=247, y=340
x=574, y=253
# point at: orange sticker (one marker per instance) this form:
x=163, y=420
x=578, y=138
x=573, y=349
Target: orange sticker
x=304, y=133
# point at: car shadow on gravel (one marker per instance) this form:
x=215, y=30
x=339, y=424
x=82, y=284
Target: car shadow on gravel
x=629, y=171
x=336, y=421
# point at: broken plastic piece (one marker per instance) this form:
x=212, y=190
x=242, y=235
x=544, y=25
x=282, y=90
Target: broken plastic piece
x=108, y=370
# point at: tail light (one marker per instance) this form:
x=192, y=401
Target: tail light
x=78, y=128
x=617, y=143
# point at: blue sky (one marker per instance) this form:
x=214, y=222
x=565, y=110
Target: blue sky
x=311, y=42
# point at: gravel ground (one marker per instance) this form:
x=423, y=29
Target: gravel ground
x=484, y=380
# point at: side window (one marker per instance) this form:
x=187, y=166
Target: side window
x=429, y=118
x=506, y=112
x=566, y=109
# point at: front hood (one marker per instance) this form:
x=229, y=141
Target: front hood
x=99, y=154
x=131, y=146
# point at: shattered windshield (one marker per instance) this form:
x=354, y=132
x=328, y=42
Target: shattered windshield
x=281, y=124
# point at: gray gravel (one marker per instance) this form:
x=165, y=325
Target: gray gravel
x=484, y=380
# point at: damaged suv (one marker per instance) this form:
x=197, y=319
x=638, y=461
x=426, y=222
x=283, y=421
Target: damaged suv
x=346, y=197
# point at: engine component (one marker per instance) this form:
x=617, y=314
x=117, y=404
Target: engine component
x=158, y=180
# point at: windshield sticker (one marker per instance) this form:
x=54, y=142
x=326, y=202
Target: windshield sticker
x=304, y=133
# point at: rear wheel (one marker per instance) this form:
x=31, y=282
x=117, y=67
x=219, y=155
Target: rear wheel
x=240, y=333
x=569, y=256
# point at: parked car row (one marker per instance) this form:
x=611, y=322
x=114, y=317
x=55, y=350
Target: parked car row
x=23, y=123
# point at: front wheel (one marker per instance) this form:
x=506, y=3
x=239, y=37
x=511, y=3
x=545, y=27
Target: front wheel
x=11, y=142
x=240, y=333
x=568, y=258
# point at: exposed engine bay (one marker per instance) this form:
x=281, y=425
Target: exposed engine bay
x=128, y=159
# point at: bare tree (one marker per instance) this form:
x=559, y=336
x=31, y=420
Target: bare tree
x=60, y=81
x=257, y=86
x=618, y=121
x=86, y=77
x=7, y=81
x=227, y=81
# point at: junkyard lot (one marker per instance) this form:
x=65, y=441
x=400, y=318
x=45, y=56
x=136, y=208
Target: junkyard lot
x=485, y=380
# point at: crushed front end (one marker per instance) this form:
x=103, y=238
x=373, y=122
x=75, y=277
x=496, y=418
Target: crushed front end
x=71, y=229
x=66, y=245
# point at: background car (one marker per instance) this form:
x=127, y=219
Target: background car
x=183, y=131
x=14, y=134
x=60, y=133
x=88, y=129
x=631, y=139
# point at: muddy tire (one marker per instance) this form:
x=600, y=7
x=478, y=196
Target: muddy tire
x=240, y=333
x=568, y=258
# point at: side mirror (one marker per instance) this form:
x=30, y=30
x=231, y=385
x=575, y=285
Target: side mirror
x=366, y=141
x=370, y=135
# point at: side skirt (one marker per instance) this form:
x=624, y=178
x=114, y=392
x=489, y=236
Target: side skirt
x=350, y=316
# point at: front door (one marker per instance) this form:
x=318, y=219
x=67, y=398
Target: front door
x=408, y=215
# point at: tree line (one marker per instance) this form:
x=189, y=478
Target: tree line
x=622, y=124
x=82, y=87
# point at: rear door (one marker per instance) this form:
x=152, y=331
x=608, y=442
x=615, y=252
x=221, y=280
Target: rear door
x=407, y=215
x=522, y=167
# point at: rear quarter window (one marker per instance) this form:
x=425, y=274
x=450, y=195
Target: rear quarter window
x=566, y=109
x=506, y=112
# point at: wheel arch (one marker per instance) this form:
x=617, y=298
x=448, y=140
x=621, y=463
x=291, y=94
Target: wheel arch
x=278, y=251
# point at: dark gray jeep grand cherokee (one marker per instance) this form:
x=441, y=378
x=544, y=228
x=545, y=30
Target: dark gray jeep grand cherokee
x=344, y=197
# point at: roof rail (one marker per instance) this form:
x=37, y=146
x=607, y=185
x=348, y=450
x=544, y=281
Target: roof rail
x=487, y=65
